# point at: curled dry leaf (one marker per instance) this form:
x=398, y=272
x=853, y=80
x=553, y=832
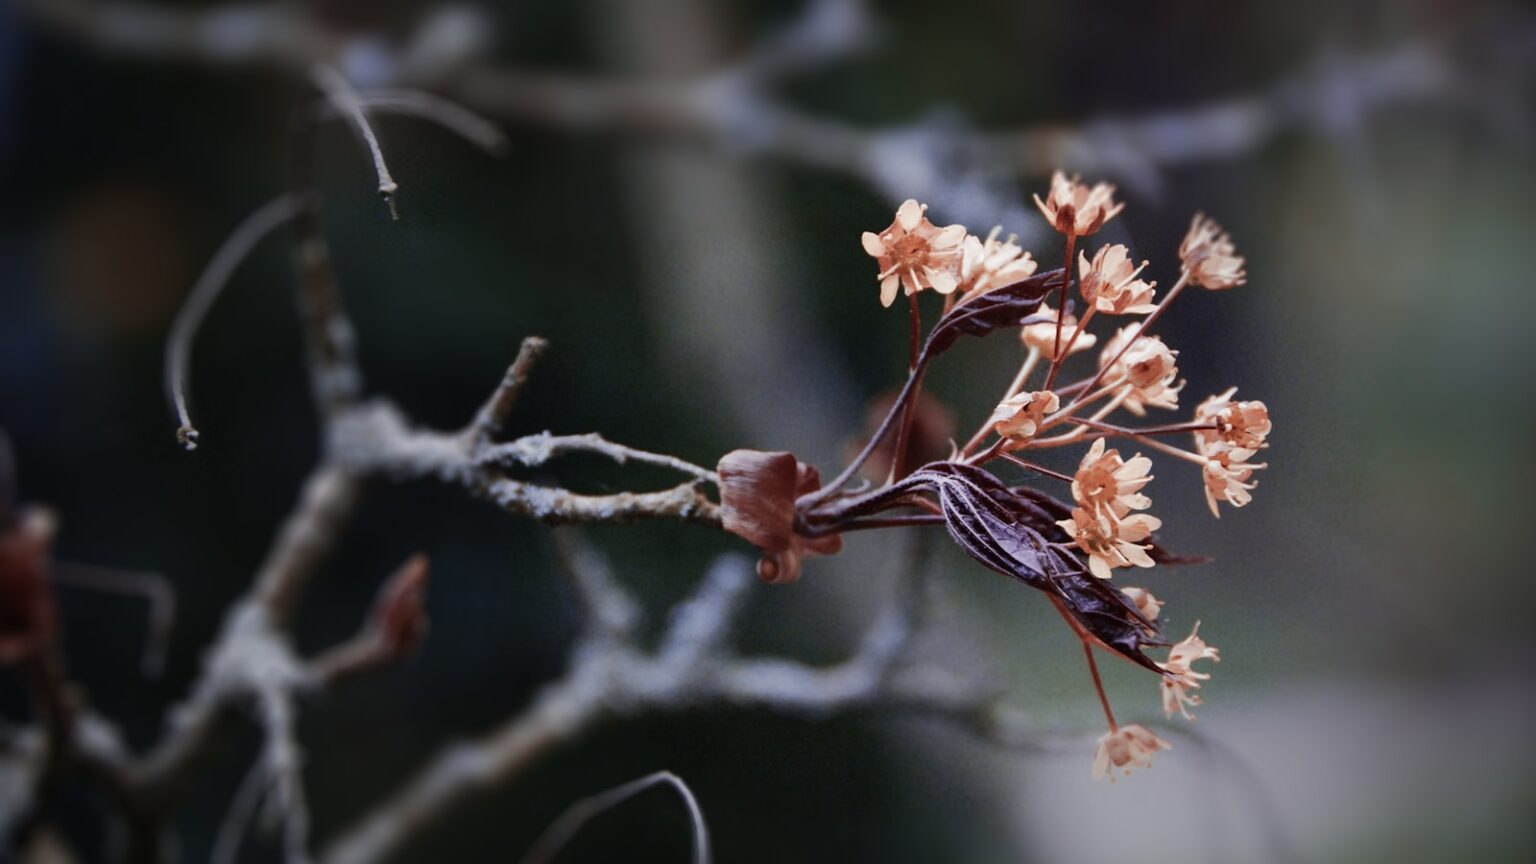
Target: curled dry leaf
x=980, y=314
x=992, y=524
x=757, y=503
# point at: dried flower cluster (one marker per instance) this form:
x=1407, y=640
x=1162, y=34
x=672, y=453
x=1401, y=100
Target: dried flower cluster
x=1067, y=543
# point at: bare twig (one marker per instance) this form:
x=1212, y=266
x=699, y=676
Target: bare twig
x=153, y=588
x=732, y=109
x=493, y=414
x=433, y=108
x=340, y=93
x=563, y=830
x=534, y=450
x=613, y=678
x=210, y=284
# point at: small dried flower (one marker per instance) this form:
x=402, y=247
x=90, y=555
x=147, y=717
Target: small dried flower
x=1148, y=605
x=1149, y=366
x=1125, y=748
x=990, y=263
x=757, y=502
x=1042, y=336
x=1109, y=282
x=1209, y=256
x=1239, y=425
x=1107, y=484
x=1182, y=677
x=1075, y=209
x=1018, y=417
x=1228, y=478
x=1111, y=542
x=915, y=253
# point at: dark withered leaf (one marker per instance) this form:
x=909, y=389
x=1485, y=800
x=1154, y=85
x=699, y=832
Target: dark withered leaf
x=1001, y=307
x=994, y=525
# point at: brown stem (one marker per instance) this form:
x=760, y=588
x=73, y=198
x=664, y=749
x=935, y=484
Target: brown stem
x=1145, y=326
x=1038, y=469
x=915, y=332
x=1093, y=667
x=1082, y=324
x=1061, y=310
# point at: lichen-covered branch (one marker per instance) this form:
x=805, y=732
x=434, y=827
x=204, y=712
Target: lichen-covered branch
x=611, y=677
x=734, y=109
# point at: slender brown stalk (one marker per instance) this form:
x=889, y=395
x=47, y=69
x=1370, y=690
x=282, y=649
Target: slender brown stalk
x=1082, y=324
x=1146, y=325
x=1038, y=469
x=915, y=332
x=1061, y=310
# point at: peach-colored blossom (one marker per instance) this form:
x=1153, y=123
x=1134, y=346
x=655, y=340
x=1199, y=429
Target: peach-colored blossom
x=1075, y=209
x=992, y=263
x=914, y=253
x=1240, y=425
x=1149, y=366
x=1125, y=748
x=1019, y=416
x=1209, y=256
x=1106, y=483
x=1181, y=677
x=1111, y=542
x=1229, y=478
x=1109, y=282
x=1148, y=605
x=1042, y=336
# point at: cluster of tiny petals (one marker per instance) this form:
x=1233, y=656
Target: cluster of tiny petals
x=1109, y=542
x=1019, y=417
x=1209, y=257
x=1148, y=605
x=1041, y=336
x=1126, y=748
x=1239, y=425
x=915, y=254
x=991, y=263
x=1241, y=431
x=1149, y=367
x=1109, y=283
x=1075, y=209
x=1109, y=484
x=1181, y=676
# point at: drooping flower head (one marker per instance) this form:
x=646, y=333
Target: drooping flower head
x=992, y=263
x=1018, y=417
x=1075, y=209
x=915, y=253
x=1109, y=282
x=757, y=502
x=1228, y=478
x=1110, y=542
x=1126, y=748
x=1108, y=484
x=1181, y=677
x=1041, y=336
x=1149, y=366
x=1209, y=256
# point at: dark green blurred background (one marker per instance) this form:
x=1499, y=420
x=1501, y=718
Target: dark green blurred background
x=1373, y=605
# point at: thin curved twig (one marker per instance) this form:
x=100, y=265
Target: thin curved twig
x=266, y=219
x=564, y=829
